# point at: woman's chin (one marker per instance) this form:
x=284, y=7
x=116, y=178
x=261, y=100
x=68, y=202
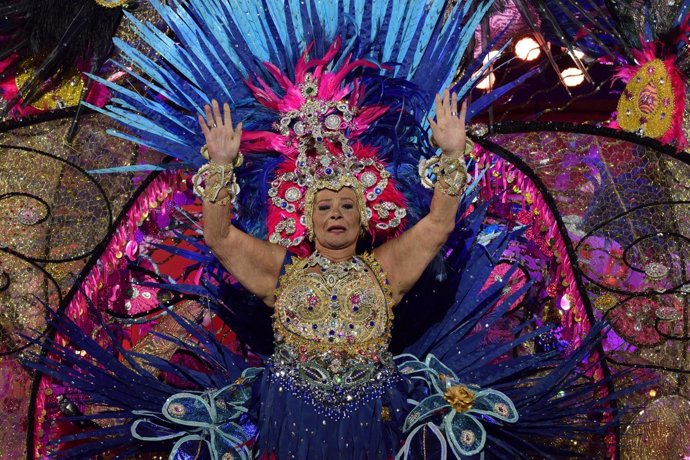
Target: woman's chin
x=337, y=240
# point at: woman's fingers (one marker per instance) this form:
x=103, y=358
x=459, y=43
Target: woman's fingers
x=439, y=106
x=217, y=118
x=204, y=127
x=209, y=116
x=463, y=112
x=227, y=118
x=433, y=124
x=446, y=105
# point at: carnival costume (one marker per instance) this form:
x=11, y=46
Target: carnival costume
x=340, y=100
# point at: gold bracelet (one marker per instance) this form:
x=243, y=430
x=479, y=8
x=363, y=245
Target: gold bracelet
x=469, y=146
x=450, y=174
x=224, y=180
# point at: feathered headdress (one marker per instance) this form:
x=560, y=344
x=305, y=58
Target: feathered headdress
x=647, y=41
x=320, y=117
x=319, y=99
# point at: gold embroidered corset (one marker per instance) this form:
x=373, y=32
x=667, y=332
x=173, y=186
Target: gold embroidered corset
x=340, y=311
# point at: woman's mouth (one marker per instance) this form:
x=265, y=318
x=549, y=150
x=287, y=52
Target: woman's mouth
x=337, y=229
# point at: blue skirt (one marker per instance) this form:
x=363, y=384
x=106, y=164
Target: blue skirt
x=292, y=425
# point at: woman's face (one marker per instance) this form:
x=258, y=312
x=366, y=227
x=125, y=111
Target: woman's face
x=336, y=218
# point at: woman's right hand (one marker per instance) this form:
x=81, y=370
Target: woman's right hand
x=222, y=140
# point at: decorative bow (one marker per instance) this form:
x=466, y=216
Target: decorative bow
x=457, y=403
x=202, y=421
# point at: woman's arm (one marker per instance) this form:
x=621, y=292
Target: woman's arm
x=254, y=263
x=406, y=257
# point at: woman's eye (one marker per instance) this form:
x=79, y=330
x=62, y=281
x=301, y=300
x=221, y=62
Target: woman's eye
x=323, y=207
x=348, y=206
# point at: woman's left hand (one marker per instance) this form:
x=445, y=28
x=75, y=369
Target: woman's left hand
x=448, y=131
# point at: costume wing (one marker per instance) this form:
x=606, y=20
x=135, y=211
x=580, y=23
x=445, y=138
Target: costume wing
x=613, y=183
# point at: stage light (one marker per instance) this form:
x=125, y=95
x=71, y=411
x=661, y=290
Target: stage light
x=527, y=49
x=578, y=54
x=572, y=76
x=487, y=82
x=490, y=55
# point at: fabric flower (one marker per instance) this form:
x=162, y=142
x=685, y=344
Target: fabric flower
x=455, y=404
x=459, y=397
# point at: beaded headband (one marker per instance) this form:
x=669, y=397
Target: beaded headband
x=320, y=116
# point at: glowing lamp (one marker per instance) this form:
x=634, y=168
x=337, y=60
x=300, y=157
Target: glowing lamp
x=490, y=55
x=527, y=49
x=572, y=76
x=578, y=54
x=487, y=82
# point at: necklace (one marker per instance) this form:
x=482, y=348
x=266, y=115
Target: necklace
x=318, y=259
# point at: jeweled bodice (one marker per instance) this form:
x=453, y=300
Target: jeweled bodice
x=332, y=327
x=341, y=308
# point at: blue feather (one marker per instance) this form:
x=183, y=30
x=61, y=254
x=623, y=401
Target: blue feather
x=682, y=13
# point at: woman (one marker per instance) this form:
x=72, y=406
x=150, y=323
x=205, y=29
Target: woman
x=331, y=388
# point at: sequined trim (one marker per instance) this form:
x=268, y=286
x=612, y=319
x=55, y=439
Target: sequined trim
x=382, y=278
x=334, y=387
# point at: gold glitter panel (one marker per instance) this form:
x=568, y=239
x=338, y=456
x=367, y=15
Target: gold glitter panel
x=54, y=216
x=660, y=431
x=625, y=207
x=66, y=94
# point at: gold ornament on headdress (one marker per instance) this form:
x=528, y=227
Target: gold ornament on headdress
x=647, y=103
x=112, y=3
x=67, y=93
x=326, y=160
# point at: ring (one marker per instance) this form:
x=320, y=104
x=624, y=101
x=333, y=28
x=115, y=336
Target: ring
x=213, y=125
x=454, y=114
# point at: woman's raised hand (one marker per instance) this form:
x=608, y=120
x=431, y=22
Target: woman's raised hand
x=222, y=140
x=448, y=131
